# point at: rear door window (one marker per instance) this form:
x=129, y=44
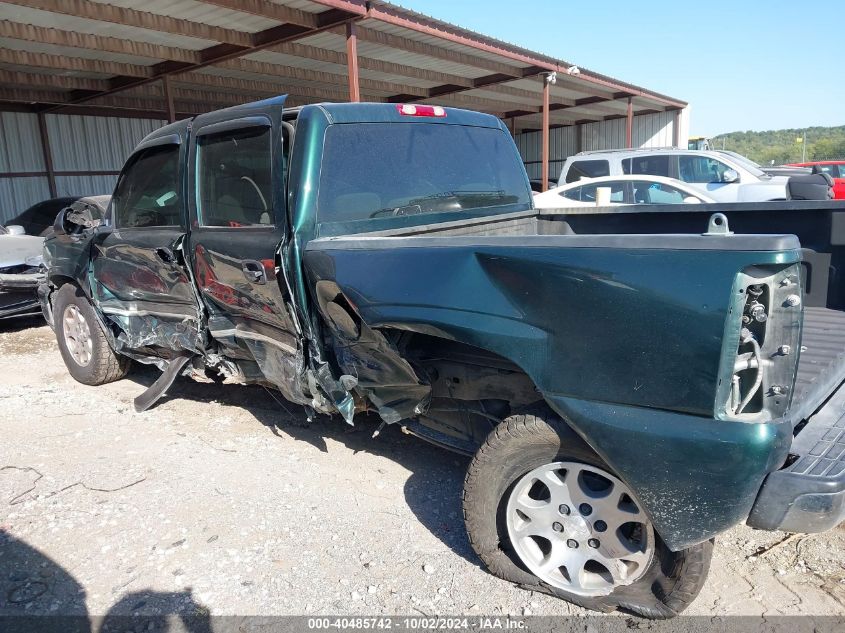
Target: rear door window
x=648, y=165
x=587, y=169
x=234, y=187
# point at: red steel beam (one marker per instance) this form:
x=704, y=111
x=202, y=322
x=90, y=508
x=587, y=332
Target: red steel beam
x=629, y=124
x=352, y=62
x=421, y=24
x=222, y=52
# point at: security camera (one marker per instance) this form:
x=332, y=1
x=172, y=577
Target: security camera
x=574, y=70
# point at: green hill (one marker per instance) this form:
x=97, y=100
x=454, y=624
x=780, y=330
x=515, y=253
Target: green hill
x=781, y=146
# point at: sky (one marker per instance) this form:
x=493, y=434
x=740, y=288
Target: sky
x=742, y=65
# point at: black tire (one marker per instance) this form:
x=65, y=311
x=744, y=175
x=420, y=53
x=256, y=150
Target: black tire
x=524, y=442
x=105, y=365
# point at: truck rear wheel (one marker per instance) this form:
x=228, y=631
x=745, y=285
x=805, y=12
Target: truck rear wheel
x=84, y=347
x=544, y=511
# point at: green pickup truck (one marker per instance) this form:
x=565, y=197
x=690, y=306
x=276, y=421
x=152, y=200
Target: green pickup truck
x=626, y=396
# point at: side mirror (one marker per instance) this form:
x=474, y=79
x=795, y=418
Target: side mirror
x=730, y=175
x=76, y=219
x=15, y=229
x=691, y=200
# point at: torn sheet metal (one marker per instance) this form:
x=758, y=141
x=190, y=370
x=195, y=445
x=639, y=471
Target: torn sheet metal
x=385, y=378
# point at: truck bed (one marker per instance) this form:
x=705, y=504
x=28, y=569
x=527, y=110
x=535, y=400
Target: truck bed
x=821, y=367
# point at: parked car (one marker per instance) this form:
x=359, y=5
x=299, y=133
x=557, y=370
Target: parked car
x=20, y=271
x=21, y=265
x=771, y=170
x=623, y=190
x=537, y=185
x=717, y=175
x=626, y=399
x=833, y=168
x=38, y=219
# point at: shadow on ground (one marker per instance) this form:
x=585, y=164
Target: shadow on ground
x=38, y=594
x=16, y=324
x=433, y=491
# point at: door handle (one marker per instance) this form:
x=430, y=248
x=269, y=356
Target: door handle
x=254, y=271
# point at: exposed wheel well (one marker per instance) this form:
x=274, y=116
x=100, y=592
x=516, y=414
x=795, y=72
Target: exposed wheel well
x=473, y=389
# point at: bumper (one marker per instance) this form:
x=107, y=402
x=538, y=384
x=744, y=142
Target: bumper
x=809, y=494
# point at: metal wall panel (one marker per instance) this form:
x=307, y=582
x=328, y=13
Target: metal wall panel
x=563, y=142
x=20, y=142
x=654, y=130
x=90, y=143
x=85, y=185
x=604, y=135
x=649, y=130
x=18, y=194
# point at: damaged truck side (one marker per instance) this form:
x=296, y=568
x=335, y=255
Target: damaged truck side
x=625, y=397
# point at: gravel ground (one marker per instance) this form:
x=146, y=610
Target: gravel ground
x=219, y=501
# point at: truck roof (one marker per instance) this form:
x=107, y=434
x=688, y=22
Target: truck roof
x=346, y=113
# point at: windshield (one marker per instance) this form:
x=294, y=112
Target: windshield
x=746, y=162
x=378, y=170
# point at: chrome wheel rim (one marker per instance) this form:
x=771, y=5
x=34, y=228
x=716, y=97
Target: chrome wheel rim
x=77, y=335
x=579, y=528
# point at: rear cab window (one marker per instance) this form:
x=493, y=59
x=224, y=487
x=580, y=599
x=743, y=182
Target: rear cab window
x=587, y=169
x=383, y=170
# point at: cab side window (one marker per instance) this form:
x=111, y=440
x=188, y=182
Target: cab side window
x=701, y=169
x=234, y=187
x=148, y=192
x=587, y=169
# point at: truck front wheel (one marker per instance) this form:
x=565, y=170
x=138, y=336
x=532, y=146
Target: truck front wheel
x=83, y=344
x=544, y=511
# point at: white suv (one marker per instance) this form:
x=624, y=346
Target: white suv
x=718, y=175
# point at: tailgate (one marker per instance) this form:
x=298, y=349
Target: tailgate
x=808, y=493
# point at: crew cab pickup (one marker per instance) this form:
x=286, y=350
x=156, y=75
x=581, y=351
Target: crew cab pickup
x=626, y=397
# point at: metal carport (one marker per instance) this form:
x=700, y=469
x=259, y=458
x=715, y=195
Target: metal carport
x=179, y=58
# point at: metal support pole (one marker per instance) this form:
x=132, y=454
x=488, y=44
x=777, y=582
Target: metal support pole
x=677, y=131
x=48, y=156
x=168, y=98
x=548, y=80
x=352, y=62
x=629, y=124
x=512, y=126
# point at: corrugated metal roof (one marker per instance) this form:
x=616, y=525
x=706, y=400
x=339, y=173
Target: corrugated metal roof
x=69, y=51
x=46, y=19
x=302, y=5
x=55, y=72
x=199, y=12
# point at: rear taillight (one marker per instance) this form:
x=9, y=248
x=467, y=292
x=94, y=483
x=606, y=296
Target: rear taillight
x=762, y=340
x=410, y=109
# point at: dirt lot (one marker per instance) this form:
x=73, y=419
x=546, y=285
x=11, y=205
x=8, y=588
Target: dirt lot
x=219, y=501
